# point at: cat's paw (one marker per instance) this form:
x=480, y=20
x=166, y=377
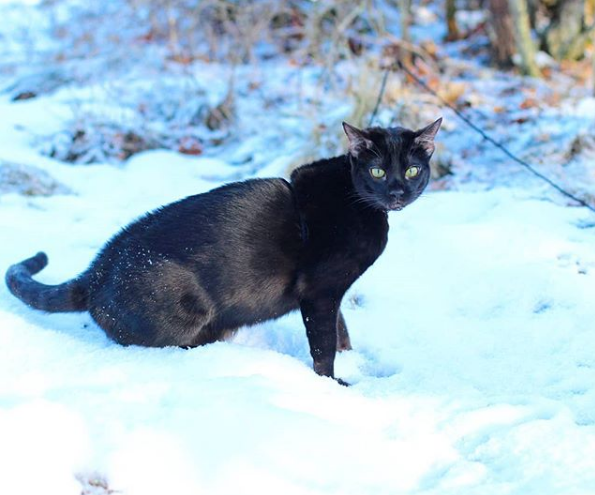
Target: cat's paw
x=342, y=382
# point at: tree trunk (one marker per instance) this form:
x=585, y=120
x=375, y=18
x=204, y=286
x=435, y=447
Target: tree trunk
x=593, y=62
x=501, y=36
x=590, y=12
x=451, y=21
x=522, y=37
x=566, y=38
x=590, y=19
x=405, y=13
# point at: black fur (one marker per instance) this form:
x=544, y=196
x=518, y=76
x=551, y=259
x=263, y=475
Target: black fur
x=189, y=272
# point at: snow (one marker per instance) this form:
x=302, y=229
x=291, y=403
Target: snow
x=474, y=350
x=472, y=369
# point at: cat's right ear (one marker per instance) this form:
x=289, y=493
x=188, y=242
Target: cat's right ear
x=358, y=140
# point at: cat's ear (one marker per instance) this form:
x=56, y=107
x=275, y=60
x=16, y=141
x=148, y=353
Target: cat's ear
x=425, y=137
x=358, y=139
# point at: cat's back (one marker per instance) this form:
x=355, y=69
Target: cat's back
x=222, y=215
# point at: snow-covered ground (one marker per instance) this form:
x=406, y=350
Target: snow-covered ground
x=473, y=369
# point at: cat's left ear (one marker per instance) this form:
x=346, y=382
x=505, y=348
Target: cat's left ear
x=358, y=139
x=425, y=137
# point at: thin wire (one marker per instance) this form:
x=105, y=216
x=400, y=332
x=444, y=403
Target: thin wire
x=480, y=131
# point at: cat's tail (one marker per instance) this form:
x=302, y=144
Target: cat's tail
x=69, y=296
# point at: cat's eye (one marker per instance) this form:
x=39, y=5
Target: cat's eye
x=377, y=173
x=412, y=172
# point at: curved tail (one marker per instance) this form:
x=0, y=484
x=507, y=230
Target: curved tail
x=69, y=296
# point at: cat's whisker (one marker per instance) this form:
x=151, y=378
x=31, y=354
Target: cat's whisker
x=367, y=200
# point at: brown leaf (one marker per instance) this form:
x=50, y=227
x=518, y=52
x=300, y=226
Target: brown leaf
x=452, y=91
x=529, y=103
x=189, y=145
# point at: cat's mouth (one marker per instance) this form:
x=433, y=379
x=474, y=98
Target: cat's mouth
x=395, y=205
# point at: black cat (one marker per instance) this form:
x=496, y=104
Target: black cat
x=191, y=271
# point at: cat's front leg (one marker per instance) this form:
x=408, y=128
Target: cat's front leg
x=320, y=318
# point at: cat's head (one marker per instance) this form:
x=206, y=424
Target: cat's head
x=390, y=167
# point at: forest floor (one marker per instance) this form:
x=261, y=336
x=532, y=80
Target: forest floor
x=473, y=369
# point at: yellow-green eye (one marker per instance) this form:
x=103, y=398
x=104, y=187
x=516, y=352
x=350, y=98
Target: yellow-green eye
x=377, y=173
x=412, y=172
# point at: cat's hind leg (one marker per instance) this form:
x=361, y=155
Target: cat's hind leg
x=343, y=340
x=163, y=306
x=167, y=323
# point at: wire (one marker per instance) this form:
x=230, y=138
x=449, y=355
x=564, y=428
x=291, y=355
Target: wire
x=477, y=129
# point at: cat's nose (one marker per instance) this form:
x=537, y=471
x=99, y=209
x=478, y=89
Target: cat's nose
x=395, y=194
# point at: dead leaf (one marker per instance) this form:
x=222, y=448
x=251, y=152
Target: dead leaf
x=189, y=145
